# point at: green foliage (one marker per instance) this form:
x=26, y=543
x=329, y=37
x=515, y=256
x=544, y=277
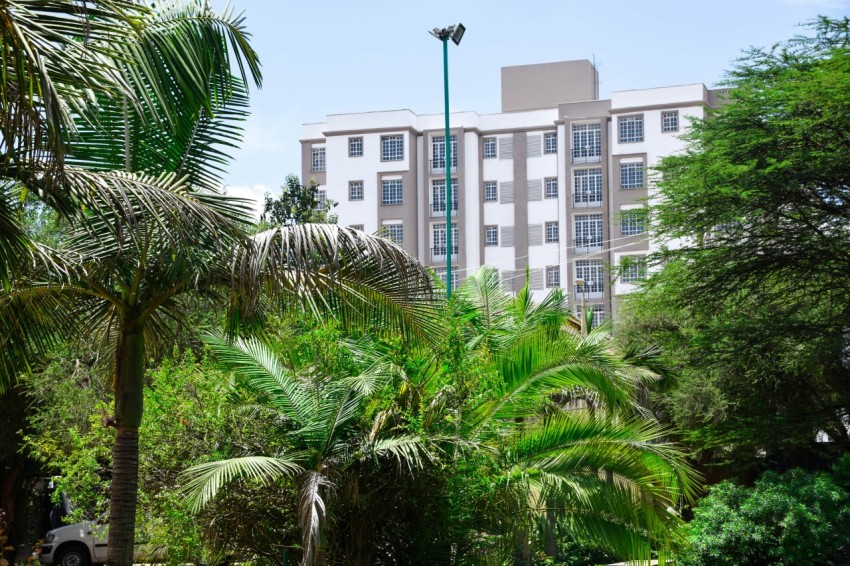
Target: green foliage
x=750, y=305
x=790, y=518
x=297, y=204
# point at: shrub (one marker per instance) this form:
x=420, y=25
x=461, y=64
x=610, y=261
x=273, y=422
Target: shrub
x=793, y=518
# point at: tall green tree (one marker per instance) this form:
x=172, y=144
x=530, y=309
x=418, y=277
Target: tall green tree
x=752, y=299
x=297, y=204
x=156, y=229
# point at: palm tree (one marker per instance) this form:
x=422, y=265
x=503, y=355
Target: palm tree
x=558, y=416
x=322, y=415
x=136, y=151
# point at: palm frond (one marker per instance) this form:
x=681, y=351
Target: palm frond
x=201, y=483
x=255, y=362
x=365, y=281
x=410, y=451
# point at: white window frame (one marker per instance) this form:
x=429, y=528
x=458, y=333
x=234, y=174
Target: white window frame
x=632, y=175
x=553, y=276
x=495, y=188
x=394, y=232
x=630, y=128
x=392, y=192
x=587, y=187
x=592, y=272
x=587, y=143
x=438, y=196
x=550, y=143
x=319, y=163
x=632, y=221
x=491, y=235
x=553, y=232
x=550, y=185
x=669, y=121
x=438, y=153
x=589, y=231
x=355, y=146
x=635, y=270
x=439, y=244
x=355, y=190
x=392, y=147
x=490, y=151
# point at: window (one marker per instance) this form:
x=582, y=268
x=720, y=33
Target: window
x=632, y=268
x=553, y=276
x=355, y=190
x=587, y=143
x=631, y=128
x=491, y=191
x=550, y=142
x=670, y=121
x=438, y=153
x=551, y=189
x=588, y=187
x=588, y=231
x=318, y=159
x=589, y=271
x=321, y=199
x=441, y=273
x=598, y=314
x=489, y=148
x=392, y=148
x=631, y=175
x=355, y=147
x=491, y=235
x=438, y=241
x=551, y=232
x=356, y=227
x=394, y=232
x=632, y=221
x=438, y=195
x=391, y=192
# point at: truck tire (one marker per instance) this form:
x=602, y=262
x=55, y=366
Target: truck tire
x=72, y=555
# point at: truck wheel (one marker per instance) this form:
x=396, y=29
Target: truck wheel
x=73, y=555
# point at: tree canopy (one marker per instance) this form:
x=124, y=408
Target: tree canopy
x=750, y=300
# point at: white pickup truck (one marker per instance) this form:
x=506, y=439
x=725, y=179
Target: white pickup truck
x=81, y=544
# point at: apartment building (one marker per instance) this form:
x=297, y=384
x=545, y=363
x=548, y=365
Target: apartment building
x=556, y=183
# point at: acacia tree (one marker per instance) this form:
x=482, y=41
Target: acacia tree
x=754, y=300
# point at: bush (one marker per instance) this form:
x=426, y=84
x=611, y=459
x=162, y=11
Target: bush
x=793, y=518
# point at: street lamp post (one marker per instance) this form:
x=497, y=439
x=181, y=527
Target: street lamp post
x=455, y=33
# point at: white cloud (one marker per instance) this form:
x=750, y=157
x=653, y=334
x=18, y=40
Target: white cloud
x=254, y=193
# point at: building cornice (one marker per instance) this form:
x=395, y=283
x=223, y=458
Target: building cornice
x=635, y=109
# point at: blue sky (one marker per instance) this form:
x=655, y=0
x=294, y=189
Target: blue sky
x=329, y=57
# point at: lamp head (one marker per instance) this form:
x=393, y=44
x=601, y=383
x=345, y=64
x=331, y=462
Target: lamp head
x=457, y=33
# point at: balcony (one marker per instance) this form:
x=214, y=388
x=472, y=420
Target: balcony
x=439, y=165
x=590, y=290
x=579, y=158
x=587, y=201
x=587, y=245
x=438, y=209
x=438, y=254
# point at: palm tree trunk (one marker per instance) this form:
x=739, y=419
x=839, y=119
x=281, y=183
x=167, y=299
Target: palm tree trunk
x=129, y=393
